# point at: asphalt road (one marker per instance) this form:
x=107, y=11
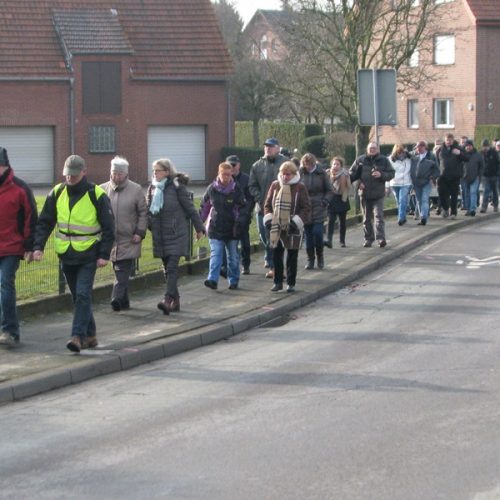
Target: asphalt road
x=388, y=389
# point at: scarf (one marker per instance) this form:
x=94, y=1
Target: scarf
x=282, y=208
x=157, y=201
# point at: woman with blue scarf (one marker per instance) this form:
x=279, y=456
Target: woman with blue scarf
x=220, y=209
x=170, y=209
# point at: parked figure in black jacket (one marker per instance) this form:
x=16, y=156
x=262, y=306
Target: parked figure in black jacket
x=451, y=158
x=490, y=174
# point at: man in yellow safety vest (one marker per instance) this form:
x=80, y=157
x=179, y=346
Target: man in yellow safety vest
x=81, y=213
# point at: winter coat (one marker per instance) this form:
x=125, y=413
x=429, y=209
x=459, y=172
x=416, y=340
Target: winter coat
x=170, y=226
x=300, y=212
x=401, y=168
x=371, y=188
x=473, y=167
x=243, y=179
x=451, y=165
x=19, y=215
x=131, y=218
x=341, y=187
x=262, y=174
x=220, y=209
x=48, y=220
x=423, y=170
x=491, y=163
x=319, y=189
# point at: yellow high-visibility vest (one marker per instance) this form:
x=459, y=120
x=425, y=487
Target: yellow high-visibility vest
x=77, y=227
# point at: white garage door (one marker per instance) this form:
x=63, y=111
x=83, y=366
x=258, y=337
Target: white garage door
x=31, y=152
x=184, y=145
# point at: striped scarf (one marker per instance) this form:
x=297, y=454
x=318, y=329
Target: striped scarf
x=281, y=214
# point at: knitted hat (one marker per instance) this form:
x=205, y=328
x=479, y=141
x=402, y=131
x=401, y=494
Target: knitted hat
x=119, y=164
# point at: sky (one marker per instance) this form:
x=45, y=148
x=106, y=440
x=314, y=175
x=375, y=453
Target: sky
x=246, y=8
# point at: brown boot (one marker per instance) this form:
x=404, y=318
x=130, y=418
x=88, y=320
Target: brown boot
x=74, y=344
x=174, y=304
x=89, y=342
x=164, y=306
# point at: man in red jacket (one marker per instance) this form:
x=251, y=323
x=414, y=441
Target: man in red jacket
x=17, y=225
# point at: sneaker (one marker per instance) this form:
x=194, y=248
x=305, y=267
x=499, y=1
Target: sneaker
x=245, y=270
x=367, y=244
x=472, y=213
x=342, y=244
x=290, y=289
x=74, y=344
x=270, y=274
x=423, y=222
x=233, y=286
x=453, y=217
x=89, y=342
x=277, y=287
x=483, y=210
x=382, y=243
x=444, y=214
x=8, y=339
x=211, y=284
x=402, y=222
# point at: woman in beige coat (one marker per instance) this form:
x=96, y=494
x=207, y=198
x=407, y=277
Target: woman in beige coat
x=130, y=210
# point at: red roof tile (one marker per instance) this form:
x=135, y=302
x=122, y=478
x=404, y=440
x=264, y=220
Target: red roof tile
x=169, y=38
x=485, y=11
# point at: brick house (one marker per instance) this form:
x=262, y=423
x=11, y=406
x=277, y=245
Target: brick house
x=466, y=92
x=141, y=78
x=264, y=36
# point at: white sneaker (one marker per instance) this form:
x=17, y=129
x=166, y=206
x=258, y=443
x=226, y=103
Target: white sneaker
x=8, y=339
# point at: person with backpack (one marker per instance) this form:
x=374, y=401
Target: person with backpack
x=81, y=214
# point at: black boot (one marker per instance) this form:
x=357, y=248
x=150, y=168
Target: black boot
x=310, y=258
x=319, y=257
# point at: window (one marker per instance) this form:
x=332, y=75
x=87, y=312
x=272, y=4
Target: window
x=102, y=88
x=414, y=58
x=263, y=47
x=412, y=113
x=102, y=139
x=444, y=49
x=443, y=113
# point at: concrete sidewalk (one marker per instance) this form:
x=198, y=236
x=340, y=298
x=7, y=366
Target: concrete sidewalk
x=143, y=334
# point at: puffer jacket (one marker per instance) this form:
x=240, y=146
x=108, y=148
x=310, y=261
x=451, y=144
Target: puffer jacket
x=170, y=226
x=220, y=209
x=319, y=187
x=19, y=215
x=401, y=166
x=131, y=218
x=372, y=188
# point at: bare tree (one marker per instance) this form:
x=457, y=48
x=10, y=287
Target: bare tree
x=329, y=40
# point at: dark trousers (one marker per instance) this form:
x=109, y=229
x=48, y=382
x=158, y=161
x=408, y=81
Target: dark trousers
x=122, y=269
x=332, y=217
x=448, y=193
x=171, y=272
x=80, y=279
x=291, y=264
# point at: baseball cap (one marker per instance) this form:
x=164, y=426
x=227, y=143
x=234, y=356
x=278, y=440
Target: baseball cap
x=232, y=159
x=272, y=141
x=73, y=165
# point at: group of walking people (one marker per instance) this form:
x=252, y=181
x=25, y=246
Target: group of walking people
x=292, y=199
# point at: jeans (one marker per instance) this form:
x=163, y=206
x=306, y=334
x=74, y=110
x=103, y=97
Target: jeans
x=171, y=273
x=122, y=269
x=313, y=235
x=245, y=249
x=291, y=264
x=263, y=237
x=80, y=279
x=217, y=248
x=422, y=194
x=8, y=312
x=490, y=187
x=401, y=195
x=373, y=208
x=463, y=194
x=471, y=195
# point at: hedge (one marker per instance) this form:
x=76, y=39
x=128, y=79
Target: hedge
x=489, y=132
x=290, y=135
